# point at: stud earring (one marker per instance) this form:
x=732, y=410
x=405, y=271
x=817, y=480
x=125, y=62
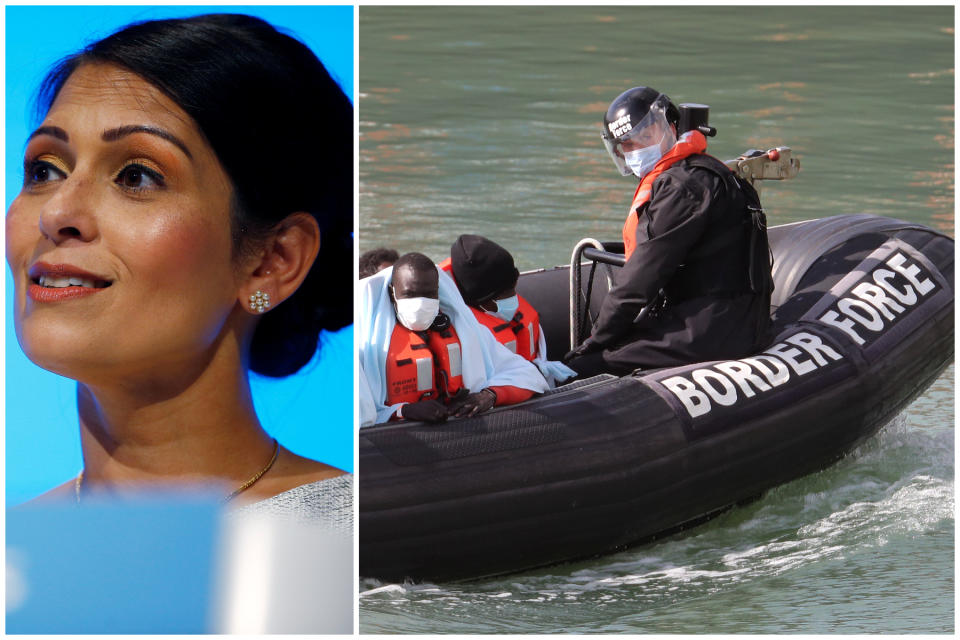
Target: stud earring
x=260, y=301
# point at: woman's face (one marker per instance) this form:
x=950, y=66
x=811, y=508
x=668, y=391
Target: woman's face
x=119, y=241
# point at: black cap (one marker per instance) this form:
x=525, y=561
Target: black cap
x=482, y=268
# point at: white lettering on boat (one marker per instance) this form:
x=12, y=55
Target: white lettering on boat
x=725, y=383
x=879, y=294
x=879, y=298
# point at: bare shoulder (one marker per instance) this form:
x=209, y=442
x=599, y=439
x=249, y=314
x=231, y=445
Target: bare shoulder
x=59, y=494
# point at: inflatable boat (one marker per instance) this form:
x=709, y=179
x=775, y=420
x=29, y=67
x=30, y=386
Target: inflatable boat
x=863, y=319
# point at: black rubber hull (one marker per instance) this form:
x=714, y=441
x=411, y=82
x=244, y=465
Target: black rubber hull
x=619, y=461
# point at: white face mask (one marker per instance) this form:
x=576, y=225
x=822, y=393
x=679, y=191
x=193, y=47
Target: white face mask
x=417, y=314
x=642, y=161
x=506, y=308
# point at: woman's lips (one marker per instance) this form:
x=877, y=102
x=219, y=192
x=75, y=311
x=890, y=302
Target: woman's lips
x=38, y=293
x=59, y=282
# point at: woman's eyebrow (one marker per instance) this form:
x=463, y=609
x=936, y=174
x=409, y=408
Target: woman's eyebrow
x=112, y=135
x=56, y=132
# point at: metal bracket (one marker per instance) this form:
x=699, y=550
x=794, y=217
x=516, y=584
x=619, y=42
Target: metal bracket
x=774, y=164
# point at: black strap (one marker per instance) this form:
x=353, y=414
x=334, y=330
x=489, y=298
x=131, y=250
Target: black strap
x=685, y=282
x=514, y=325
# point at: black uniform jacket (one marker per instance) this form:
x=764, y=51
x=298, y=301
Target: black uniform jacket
x=693, y=241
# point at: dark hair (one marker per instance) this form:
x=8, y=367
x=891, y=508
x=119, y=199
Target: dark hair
x=414, y=260
x=260, y=98
x=371, y=260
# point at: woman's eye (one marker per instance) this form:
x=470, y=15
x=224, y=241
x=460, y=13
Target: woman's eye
x=137, y=177
x=40, y=172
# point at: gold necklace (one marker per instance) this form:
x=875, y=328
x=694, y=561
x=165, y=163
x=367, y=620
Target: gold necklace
x=246, y=485
x=249, y=483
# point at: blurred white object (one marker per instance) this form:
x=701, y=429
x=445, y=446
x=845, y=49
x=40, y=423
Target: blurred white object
x=283, y=576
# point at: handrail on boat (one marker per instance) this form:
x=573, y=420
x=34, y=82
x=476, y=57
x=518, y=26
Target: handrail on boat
x=606, y=257
x=595, y=251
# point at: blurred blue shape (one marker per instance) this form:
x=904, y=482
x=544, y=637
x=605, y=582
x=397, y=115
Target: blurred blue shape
x=145, y=567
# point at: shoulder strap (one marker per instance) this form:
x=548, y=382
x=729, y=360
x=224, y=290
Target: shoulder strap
x=761, y=258
x=711, y=164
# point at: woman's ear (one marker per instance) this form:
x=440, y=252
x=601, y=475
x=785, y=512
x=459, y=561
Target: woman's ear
x=284, y=263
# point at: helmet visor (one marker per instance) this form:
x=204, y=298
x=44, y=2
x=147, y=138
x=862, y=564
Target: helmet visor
x=622, y=135
x=613, y=148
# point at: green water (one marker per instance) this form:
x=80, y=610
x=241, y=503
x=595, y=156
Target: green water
x=487, y=120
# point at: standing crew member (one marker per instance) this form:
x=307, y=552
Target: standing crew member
x=423, y=354
x=696, y=284
x=487, y=278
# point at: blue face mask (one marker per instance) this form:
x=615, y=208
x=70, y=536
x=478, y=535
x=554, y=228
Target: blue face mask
x=506, y=308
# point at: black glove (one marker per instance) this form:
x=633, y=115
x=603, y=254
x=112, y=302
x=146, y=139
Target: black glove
x=424, y=411
x=587, y=346
x=474, y=403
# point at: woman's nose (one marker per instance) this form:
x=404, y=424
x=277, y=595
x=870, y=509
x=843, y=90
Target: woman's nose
x=68, y=214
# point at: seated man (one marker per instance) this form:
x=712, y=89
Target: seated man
x=487, y=278
x=423, y=354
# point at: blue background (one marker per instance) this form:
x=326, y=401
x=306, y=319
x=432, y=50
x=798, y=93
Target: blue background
x=310, y=413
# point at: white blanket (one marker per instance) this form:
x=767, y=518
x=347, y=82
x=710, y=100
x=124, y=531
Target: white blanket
x=554, y=371
x=486, y=362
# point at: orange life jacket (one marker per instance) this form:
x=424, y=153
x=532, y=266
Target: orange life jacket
x=521, y=334
x=689, y=143
x=423, y=364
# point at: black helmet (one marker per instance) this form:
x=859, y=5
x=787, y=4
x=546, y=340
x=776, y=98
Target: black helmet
x=631, y=111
